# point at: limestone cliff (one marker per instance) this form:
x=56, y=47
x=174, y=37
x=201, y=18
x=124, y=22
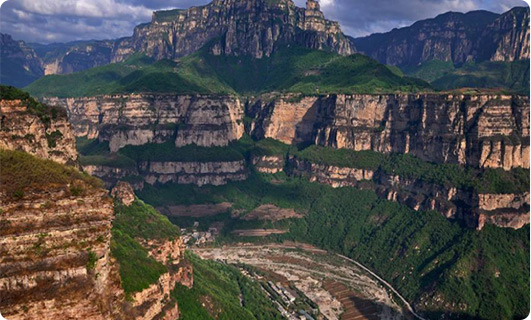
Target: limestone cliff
x=485, y=131
x=48, y=136
x=139, y=119
x=234, y=27
x=455, y=37
x=155, y=302
x=54, y=242
x=473, y=209
x=20, y=63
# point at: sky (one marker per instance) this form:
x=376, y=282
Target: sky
x=47, y=21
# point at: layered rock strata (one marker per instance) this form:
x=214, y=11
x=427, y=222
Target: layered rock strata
x=150, y=118
x=485, y=131
x=48, y=137
x=155, y=302
x=55, y=256
x=475, y=210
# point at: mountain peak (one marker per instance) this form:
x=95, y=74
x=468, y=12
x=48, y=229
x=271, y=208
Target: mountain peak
x=239, y=28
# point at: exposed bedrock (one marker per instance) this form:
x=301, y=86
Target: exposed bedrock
x=48, y=138
x=485, y=131
x=475, y=210
x=152, y=118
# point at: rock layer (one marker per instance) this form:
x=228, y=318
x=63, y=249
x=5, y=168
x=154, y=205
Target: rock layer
x=55, y=256
x=151, y=118
x=20, y=129
x=485, y=131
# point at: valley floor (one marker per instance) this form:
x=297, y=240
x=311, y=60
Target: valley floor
x=339, y=287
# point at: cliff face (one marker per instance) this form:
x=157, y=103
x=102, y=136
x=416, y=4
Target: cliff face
x=139, y=119
x=251, y=27
x=487, y=131
x=55, y=254
x=46, y=137
x=20, y=64
x=155, y=302
x=475, y=210
x=456, y=37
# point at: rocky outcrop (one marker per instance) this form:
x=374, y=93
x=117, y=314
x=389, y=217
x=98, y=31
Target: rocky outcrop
x=55, y=256
x=155, y=302
x=232, y=27
x=484, y=131
x=48, y=136
x=505, y=210
x=198, y=173
x=331, y=175
x=474, y=210
x=124, y=193
x=151, y=118
x=456, y=37
x=268, y=164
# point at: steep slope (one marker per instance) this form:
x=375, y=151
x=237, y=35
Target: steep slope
x=251, y=27
x=38, y=129
x=455, y=37
x=19, y=64
x=289, y=69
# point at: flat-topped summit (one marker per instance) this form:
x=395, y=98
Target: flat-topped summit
x=239, y=27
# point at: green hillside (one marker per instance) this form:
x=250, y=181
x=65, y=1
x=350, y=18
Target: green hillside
x=476, y=274
x=216, y=295
x=288, y=70
x=499, y=76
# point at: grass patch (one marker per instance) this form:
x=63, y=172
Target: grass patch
x=23, y=172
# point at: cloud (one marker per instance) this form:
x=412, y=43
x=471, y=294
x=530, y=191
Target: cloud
x=67, y=20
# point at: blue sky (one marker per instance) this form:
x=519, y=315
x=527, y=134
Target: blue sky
x=47, y=21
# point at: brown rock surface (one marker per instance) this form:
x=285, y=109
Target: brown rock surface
x=124, y=193
x=24, y=131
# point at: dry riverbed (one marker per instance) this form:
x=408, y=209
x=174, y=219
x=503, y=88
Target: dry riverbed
x=341, y=289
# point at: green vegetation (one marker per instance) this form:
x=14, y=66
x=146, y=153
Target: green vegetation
x=484, y=272
x=500, y=76
x=22, y=172
x=408, y=166
x=44, y=112
x=138, y=270
x=216, y=291
x=142, y=221
x=292, y=69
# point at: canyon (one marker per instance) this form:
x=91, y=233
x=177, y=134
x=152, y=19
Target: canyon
x=478, y=131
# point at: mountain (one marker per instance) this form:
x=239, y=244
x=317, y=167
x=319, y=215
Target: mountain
x=289, y=69
x=19, y=64
x=254, y=28
x=475, y=36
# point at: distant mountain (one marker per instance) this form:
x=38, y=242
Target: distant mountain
x=19, y=64
x=475, y=36
x=252, y=28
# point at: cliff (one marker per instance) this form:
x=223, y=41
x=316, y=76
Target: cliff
x=485, y=131
x=139, y=119
x=20, y=63
x=456, y=37
x=48, y=136
x=55, y=241
x=251, y=28
x=165, y=248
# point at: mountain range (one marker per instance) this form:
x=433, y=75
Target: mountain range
x=449, y=46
